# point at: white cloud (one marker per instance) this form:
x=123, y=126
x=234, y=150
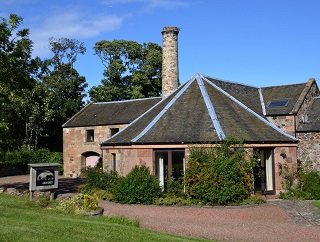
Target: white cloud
x=71, y=25
x=150, y=4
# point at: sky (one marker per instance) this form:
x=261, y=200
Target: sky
x=254, y=42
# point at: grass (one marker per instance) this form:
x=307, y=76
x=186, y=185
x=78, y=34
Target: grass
x=317, y=204
x=23, y=221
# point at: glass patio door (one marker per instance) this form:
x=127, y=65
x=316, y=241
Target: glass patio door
x=169, y=164
x=267, y=171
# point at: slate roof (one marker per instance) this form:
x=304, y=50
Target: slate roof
x=203, y=110
x=311, y=122
x=109, y=113
x=290, y=92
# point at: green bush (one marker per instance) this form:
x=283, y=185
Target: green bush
x=174, y=200
x=221, y=174
x=175, y=187
x=307, y=185
x=138, y=187
x=96, y=178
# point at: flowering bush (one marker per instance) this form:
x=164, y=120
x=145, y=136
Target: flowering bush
x=78, y=204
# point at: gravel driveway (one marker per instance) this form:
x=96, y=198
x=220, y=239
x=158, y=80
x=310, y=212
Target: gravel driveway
x=267, y=222
x=276, y=220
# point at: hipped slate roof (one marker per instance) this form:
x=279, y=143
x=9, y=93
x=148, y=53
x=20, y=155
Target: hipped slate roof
x=200, y=111
x=109, y=113
x=311, y=121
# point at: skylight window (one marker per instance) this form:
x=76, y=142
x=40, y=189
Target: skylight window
x=278, y=103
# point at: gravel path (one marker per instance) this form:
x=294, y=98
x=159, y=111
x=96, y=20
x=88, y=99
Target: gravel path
x=268, y=222
x=276, y=220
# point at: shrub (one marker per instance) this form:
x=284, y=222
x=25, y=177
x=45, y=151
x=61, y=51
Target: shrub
x=78, y=204
x=221, y=174
x=175, y=187
x=174, y=200
x=138, y=187
x=254, y=199
x=307, y=185
x=96, y=178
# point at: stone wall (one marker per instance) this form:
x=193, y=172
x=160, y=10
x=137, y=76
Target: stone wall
x=127, y=158
x=75, y=146
x=309, y=148
x=285, y=123
x=290, y=158
x=313, y=92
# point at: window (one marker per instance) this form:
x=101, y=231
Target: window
x=169, y=164
x=90, y=135
x=113, y=131
x=278, y=103
x=114, y=162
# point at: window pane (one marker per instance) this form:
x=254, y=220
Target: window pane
x=177, y=164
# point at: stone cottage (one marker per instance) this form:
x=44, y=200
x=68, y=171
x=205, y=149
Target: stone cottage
x=158, y=132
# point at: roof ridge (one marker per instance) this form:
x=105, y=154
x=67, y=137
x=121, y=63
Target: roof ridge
x=210, y=108
x=249, y=110
x=282, y=85
x=130, y=100
x=263, y=106
x=233, y=82
x=164, y=110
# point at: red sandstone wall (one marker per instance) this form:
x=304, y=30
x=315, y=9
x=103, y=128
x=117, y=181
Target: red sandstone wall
x=126, y=159
x=290, y=160
x=75, y=145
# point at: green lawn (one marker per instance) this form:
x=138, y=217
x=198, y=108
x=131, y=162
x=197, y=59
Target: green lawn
x=317, y=204
x=20, y=221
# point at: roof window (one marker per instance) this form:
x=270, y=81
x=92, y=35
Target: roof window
x=278, y=103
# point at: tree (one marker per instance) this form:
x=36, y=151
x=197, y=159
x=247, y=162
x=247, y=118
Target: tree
x=65, y=87
x=132, y=70
x=18, y=71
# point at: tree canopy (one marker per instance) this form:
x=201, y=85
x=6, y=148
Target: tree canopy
x=18, y=72
x=132, y=71
x=36, y=96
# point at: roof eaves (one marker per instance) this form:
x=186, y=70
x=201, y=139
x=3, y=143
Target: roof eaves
x=270, y=123
x=212, y=113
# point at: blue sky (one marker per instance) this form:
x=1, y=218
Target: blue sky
x=255, y=42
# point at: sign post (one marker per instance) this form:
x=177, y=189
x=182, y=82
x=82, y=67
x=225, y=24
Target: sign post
x=43, y=176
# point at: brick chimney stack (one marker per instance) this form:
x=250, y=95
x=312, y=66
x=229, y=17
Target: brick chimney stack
x=170, y=71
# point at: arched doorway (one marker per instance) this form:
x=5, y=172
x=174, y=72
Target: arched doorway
x=90, y=159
